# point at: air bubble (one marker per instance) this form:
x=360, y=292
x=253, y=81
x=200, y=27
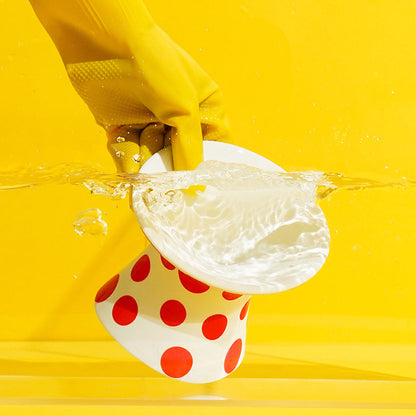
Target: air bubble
x=90, y=222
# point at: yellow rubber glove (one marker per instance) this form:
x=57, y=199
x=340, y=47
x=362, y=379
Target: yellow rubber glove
x=140, y=86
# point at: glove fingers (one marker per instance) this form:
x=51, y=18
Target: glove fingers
x=132, y=145
x=151, y=140
x=123, y=145
x=214, y=120
x=168, y=136
x=216, y=131
x=187, y=150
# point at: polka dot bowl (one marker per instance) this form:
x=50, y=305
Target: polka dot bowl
x=180, y=324
x=172, y=322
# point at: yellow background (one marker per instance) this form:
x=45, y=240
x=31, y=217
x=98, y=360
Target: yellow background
x=324, y=85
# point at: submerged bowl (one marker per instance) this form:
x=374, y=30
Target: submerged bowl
x=302, y=236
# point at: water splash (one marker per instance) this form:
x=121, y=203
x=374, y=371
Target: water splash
x=90, y=222
x=240, y=227
x=236, y=227
x=333, y=182
x=113, y=185
x=117, y=185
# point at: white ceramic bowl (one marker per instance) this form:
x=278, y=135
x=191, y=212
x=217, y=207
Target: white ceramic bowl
x=261, y=280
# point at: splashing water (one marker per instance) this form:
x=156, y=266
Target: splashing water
x=90, y=222
x=117, y=185
x=237, y=227
x=113, y=185
x=240, y=228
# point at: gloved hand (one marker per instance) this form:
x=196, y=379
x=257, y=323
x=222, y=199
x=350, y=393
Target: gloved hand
x=140, y=86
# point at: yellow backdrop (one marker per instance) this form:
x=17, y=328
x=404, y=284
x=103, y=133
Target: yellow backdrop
x=326, y=85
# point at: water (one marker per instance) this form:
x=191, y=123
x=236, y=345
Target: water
x=112, y=185
x=90, y=222
x=236, y=227
x=240, y=228
x=116, y=185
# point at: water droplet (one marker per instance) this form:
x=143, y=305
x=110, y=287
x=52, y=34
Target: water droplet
x=137, y=158
x=120, y=153
x=120, y=139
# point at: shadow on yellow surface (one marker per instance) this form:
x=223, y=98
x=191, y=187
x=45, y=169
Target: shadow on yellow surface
x=86, y=373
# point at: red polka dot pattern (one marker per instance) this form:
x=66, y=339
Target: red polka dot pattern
x=167, y=264
x=243, y=312
x=233, y=356
x=141, y=269
x=191, y=284
x=176, y=362
x=172, y=313
x=107, y=290
x=214, y=326
x=125, y=310
x=231, y=296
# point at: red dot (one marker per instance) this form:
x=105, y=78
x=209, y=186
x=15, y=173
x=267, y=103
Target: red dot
x=191, y=284
x=141, y=269
x=125, y=310
x=176, y=362
x=168, y=265
x=233, y=356
x=214, y=326
x=230, y=296
x=106, y=291
x=172, y=313
x=243, y=312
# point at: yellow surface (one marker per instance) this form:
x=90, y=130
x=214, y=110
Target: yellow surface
x=272, y=375
x=326, y=85
x=196, y=411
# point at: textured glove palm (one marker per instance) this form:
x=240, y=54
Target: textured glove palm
x=140, y=86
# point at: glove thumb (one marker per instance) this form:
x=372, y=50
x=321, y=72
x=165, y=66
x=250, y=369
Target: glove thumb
x=187, y=148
